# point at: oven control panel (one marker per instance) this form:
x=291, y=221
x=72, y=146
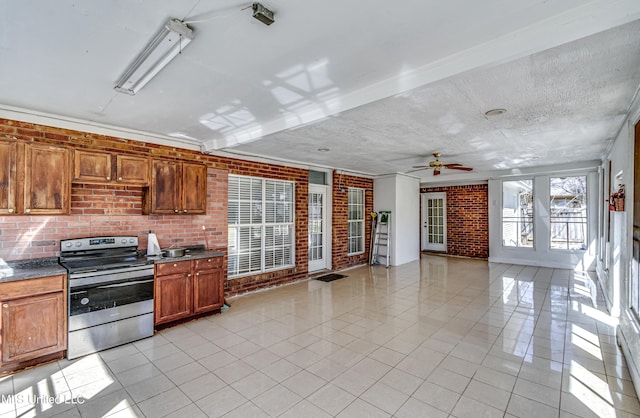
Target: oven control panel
x=98, y=243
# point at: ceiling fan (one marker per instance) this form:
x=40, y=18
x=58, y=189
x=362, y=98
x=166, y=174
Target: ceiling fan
x=438, y=165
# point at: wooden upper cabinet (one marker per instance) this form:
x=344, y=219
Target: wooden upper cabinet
x=47, y=180
x=166, y=187
x=194, y=188
x=8, y=179
x=177, y=188
x=132, y=170
x=92, y=166
x=98, y=167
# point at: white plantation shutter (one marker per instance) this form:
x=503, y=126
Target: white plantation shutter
x=261, y=225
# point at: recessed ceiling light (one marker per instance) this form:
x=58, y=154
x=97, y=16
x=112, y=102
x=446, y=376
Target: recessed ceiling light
x=323, y=149
x=495, y=112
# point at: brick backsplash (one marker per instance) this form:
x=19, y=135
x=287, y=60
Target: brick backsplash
x=114, y=210
x=467, y=219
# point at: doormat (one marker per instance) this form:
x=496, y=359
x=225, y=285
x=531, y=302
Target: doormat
x=330, y=277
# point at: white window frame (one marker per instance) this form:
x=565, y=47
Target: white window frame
x=518, y=218
x=584, y=225
x=261, y=225
x=350, y=222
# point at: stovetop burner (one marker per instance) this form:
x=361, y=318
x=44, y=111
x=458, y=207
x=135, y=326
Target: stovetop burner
x=101, y=253
x=105, y=263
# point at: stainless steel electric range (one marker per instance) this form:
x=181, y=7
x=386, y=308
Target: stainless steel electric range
x=110, y=293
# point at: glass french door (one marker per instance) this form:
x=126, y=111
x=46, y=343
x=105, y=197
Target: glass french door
x=434, y=222
x=318, y=256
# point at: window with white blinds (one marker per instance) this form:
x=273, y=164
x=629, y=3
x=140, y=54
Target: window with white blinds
x=356, y=221
x=261, y=225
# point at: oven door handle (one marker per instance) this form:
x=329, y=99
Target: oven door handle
x=125, y=284
x=86, y=271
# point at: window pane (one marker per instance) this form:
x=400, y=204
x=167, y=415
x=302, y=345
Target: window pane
x=258, y=206
x=568, y=212
x=517, y=213
x=355, y=206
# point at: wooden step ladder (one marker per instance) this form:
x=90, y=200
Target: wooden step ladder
x=382, y=239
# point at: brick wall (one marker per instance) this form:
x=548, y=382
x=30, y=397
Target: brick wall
x=467, y=219
x=110, y=210
x=340, y=228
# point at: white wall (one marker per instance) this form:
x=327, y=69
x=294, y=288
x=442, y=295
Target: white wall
x=401, y=195
x=541, y=254
x=614, y=263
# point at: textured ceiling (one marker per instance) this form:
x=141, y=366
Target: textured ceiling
x=563, y=105
x=382, y=87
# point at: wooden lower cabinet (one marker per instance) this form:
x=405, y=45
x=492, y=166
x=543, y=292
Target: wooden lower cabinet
x=33, y=315
x=187, y=288
x=207, y=291
x=173, y=297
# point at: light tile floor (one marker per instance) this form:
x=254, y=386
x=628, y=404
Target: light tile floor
x=436, y=338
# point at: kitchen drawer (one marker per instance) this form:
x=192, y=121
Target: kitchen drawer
x=208, y=263
x=31, y=287
x=175, y=267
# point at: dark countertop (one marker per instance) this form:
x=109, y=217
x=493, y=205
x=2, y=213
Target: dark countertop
x=43, y=267
x=30, y=269
x=191, y=255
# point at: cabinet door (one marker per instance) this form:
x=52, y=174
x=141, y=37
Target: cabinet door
x=132, y=170
x=194, y=188
x=92, y=166
x=166, y=187
x=47, y=180
x=172, y=299
x=8, y=183
x=33, y=326
x=208, y=293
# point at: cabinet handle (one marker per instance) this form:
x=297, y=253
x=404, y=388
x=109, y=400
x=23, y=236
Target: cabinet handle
x=5, y=305
x=175, y=265
x=119, y=178
x=10, y=210
x=176, y=210
x=108, y=178
x=209, y=260
x=27, y=211
x=189, y=275
x=197, y=274
x=185, y=211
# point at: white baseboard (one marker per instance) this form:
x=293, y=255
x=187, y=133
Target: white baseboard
x=631, y=363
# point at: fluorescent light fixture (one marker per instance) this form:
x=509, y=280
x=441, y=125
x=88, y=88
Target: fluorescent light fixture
x=171, y=40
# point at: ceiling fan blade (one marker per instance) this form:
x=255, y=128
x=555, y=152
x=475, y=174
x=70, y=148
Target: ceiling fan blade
x=436, y=172
x=420, y=166
x=461, y=168
x=452, y=165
